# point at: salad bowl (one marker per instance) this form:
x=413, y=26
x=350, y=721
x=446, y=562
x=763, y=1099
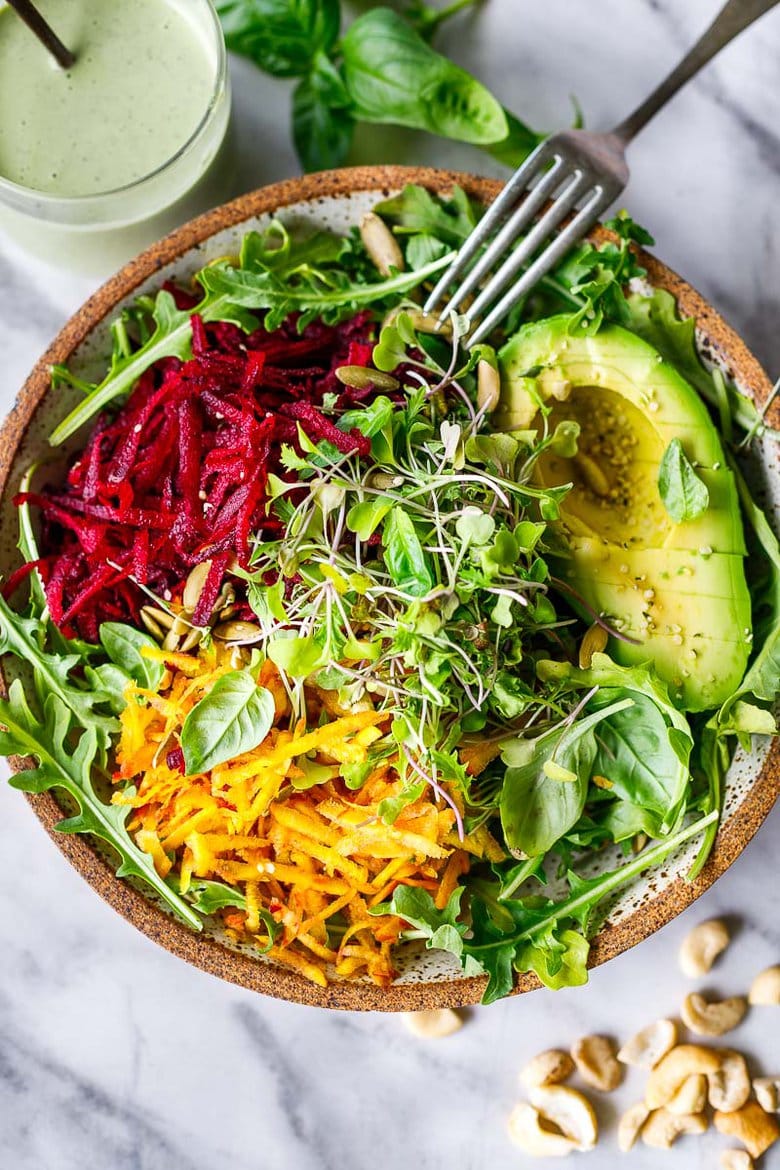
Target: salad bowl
x=427, y=979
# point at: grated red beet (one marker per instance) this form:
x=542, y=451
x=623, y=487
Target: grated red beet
x=179, y=474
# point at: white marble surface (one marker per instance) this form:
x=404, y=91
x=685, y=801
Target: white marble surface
x=116, y=1056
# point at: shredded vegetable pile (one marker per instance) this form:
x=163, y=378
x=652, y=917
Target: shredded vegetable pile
x=308, y=637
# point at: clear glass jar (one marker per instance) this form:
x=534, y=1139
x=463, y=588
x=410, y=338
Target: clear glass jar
x=98, y=233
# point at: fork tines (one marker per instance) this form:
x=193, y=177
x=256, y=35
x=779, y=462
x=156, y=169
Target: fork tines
x=549, y=186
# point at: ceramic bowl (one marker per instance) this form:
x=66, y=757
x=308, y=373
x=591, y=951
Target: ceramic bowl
x=336, y=200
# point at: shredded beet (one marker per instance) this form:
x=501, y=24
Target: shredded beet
x=179, y=474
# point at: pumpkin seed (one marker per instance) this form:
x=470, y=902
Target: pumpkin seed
x=191, y=641
x=488, y=386
x=238, y=631
x=594, y=641
x=422, y=322
x=381, y=244
x=156, y=630
x=194, y=584
x=361, y=378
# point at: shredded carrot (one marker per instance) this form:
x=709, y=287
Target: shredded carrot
x=314, y=859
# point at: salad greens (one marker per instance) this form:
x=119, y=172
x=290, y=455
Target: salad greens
x=419, y=577
x=382, y=70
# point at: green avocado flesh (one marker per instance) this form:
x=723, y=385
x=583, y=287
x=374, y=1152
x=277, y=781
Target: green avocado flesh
x=677, y=590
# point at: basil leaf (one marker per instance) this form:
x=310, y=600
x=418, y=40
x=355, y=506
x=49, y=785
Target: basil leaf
x=123, y=645
x=322, y=126
x=404, y=557
x=392, y=75
x=281, y=36
x=683, y=494
x=234, y=717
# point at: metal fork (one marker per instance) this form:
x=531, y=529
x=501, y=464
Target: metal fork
x=575, y=174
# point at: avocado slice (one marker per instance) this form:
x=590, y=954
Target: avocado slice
x=677, y=590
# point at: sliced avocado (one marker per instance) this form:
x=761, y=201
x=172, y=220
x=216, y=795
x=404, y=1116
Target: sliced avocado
x=677, y=590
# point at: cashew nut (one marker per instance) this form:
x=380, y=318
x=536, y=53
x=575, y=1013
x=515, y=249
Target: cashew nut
x=702, y=946
x=750, y=1125
x=527, y=1131
x=767, y=1090
x=596, y=1062
x=765, y=988
x=651, y=1044
x=712, y=1018
x=548, y=1068
x=736, y=1160
x=630, y=1124
x=433, y=1025
x=691, y=1097
x=730, y=1084
x=570, y=1111
x=686, y=1060
x=662, y=1128
x=381, y=244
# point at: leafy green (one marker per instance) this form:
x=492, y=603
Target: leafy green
x=124, y=645
x=683, y=493
x=546, y=782
x=323, y=124
x=404, y=556
x=282, y=37
x=234, y=717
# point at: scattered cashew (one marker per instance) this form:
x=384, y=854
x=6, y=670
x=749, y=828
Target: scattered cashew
x=527, y=1131
x=433, y=1025
x=596, y=1062
x=381, y=244
x=736, y=1160
x=662, y=1128
x=684, y=1061
x=765, y=988
x=547, y=1068
x=729, y=1086
x=651, y=1044
x=630, y=1124
x=570, y=1111
x=702, y=946
x=767, y=1090
x=750, y=1125
x=713, y=1018
x=691, y=1097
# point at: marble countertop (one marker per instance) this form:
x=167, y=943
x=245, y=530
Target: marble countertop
x=116, y=1056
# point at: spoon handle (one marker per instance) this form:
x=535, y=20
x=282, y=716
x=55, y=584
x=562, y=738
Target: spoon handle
x=43, y=31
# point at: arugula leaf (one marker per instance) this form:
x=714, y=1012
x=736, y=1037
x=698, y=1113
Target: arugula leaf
x=406, y=562
x=124, y=645
x=546, y=782
x=415, y=210
x=234, y=717
x=207, y=896
x=683, y=494
x=67, y=757
x=281, y=36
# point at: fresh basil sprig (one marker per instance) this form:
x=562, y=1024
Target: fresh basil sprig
x=683, y=493
x=383, y=70
x=234, y=717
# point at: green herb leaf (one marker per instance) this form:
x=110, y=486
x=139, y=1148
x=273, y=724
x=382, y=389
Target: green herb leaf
x=124, y=645
x=234, y=717
x=323, y=126
x=683, y=494
x=281, y=36
x=406, y=562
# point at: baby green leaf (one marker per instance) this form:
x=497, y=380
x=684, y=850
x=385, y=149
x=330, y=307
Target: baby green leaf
x=281, y=37
x=298, y=657
x=406, y=562
x=234, y=717
x=124, y=645
x=683, y=494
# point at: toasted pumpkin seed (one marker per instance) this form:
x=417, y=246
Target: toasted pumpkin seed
x=239, y=632
x=488, y=386
x=160, y=617
x=381, y=244
x=594, y=641
x=361, y=378
x=191, y=640
x=194, y=584
x=156, y=630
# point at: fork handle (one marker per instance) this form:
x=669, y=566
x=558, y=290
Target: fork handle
x=733, y=18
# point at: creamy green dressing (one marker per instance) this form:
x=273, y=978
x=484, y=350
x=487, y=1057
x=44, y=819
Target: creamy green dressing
x=141, y=84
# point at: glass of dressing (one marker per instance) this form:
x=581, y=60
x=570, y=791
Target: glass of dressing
x=99, y=160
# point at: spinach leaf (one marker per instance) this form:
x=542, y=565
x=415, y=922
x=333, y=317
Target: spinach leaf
x=124, y=645
x=323, y=126
x=546, y=782
x=683, y=494
x=234, y=717
x=392, y=75
x=406, y=562
x=281, y=36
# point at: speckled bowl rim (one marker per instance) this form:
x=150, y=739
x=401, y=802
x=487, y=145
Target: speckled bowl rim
x=206, y=953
